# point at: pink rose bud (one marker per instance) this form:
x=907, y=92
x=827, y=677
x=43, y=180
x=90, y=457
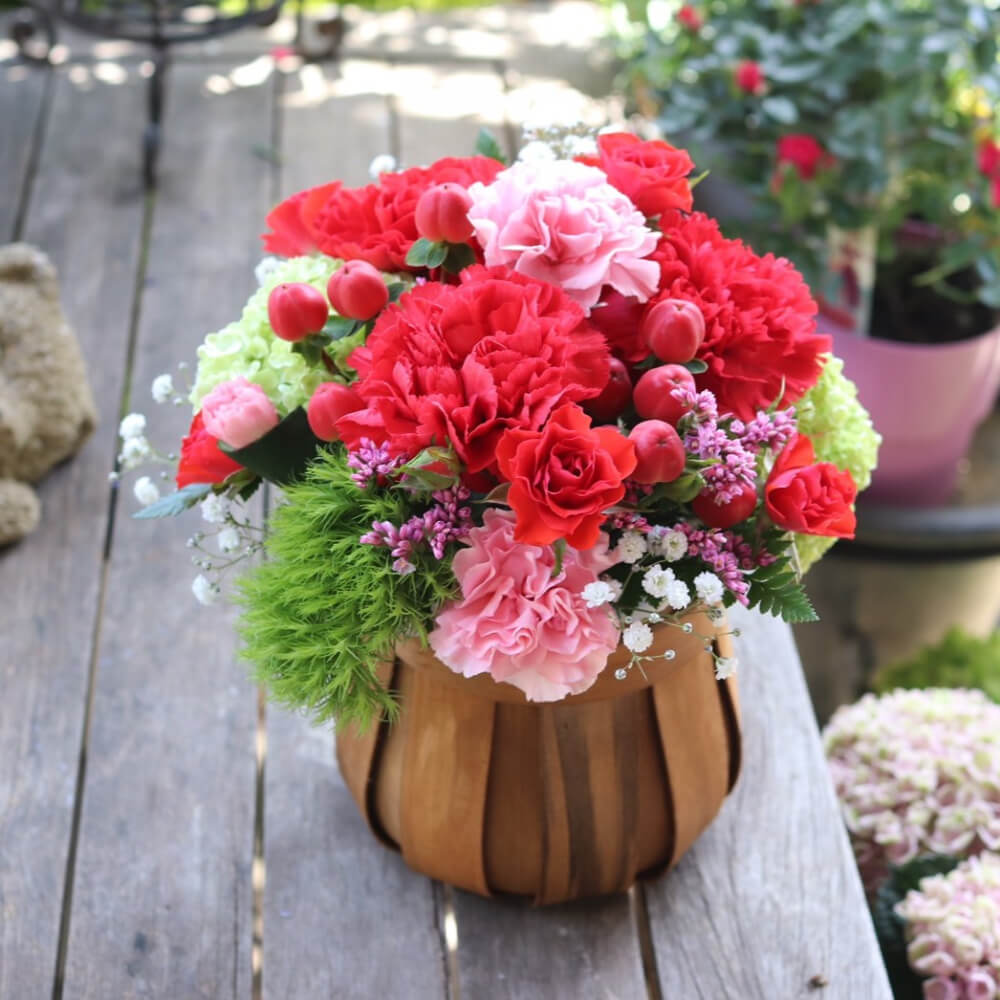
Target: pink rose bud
x=296, y=310
x=750, y=77
x=238, y=412
x=357, y=290
x=443, y=214
x=329, y=403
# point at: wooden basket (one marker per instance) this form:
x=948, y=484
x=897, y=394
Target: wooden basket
x=485, y=790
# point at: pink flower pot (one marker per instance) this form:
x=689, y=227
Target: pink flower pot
x=926, y=400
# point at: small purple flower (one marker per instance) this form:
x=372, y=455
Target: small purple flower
x=372, y=463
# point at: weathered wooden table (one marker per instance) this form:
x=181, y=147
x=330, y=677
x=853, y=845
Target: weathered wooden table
x=145, y=792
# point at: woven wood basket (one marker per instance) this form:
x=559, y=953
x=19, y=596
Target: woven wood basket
x=482, y=789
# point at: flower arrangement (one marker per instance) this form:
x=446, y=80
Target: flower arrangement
x=917, y=772
x=527, y=413
x=876, y=119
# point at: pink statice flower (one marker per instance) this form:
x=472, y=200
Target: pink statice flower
x=562, y=222
x=917, y=772
x=953, y=931
x=520, y=623
x=238, y=412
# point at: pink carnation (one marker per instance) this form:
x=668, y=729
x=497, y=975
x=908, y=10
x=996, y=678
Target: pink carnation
x=518, y=622
x=238, y=412
x=562, y=222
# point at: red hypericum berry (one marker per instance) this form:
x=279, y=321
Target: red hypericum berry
x=442, y=214
x=750, y=77
x=296, y=310
x=614, y=397
x=357, y=290
x=689, y=18
x=659, y=450
x=652, y=393
x=328, y=404
x=725, y=515
x=674, y=329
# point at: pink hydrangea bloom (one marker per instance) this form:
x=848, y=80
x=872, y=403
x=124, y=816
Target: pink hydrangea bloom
x=519, y=623
x=562, y=222
x=917, y=772
x=953, y=931
x=238, y=412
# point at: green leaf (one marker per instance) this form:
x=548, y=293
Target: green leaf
x=416, y=256
x=781, y=109
x=460, y=255
x=487, y=145
x=339, y=327
x=396, y=288
x=989, y=295
x=696, y=366
x=685, y=488
x=436, y=255
x=175, y=503
x=283, y=454
x=776, y=590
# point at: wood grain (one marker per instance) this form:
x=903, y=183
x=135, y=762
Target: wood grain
x=51, y=581
x=22, y=99
x=769, y=896
x=162, y=899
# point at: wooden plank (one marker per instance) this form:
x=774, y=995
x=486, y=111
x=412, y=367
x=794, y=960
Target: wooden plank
x=22, y=102
x=162, y=899
x=343, y=916
x=507, y=949
x=769, y=897
x=51, y=581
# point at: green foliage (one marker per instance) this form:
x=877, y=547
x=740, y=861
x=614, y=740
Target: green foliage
x=900, y=95
x=283, y=454
x=959, y=660
x=487, y=145
x=175, y=503
x=777, y=590
x=322, y=611
x=890, y=927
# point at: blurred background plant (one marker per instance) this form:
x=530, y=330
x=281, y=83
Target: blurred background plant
x=862, y=115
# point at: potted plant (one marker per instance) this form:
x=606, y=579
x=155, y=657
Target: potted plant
x=863, y=135
x=536, y=427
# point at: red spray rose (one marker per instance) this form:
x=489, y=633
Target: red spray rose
x=201, y=459
x=689, y=18
x=804, y=153
x=376, y=222
x=810, y=497
x=749, y=77
x=760, y=327
x=564, y=477
x=652, y=174
x=464, y=363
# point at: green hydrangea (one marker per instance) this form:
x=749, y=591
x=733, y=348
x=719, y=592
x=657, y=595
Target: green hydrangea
x=248, y=347
x=841, y=430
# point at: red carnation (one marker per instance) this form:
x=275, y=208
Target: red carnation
x=759, y=316
x=464, y=363
x=810, y=497
x=653, y=174
x=376, y=222
x=201, y=459
x=804, y=153
x=618, y=318
x=689, y=18
x=564, y=477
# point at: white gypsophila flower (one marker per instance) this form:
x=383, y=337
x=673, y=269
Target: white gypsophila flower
x=266, y=266
x=638, y=637
x=132, y=426
x=678, y=596
x=228, y=539
x=214, y=509
x=162, y=388
x=709, y=588
x=384, y=163
x=135, y=451
x=597, y=593
x=146, y=491
x=536, y=152
x=673, y=545
x=616, y=587
x=657, y=580
x=631, y=548
x=581, y=145
x=204, y=590
x=725, y=667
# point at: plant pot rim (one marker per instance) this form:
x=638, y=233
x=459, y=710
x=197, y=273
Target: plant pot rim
x=889, y=346
x=685, y=644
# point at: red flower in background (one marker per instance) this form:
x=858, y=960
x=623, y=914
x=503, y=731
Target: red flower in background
x=749, y=77
x=688, y=17
x=989, y=167
x=464, y=363
x=652, y=174
x=564, y=477
x=376, y=222
x=810, y=497
x=760, y=327
x=804, y=153
x=201, y=459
